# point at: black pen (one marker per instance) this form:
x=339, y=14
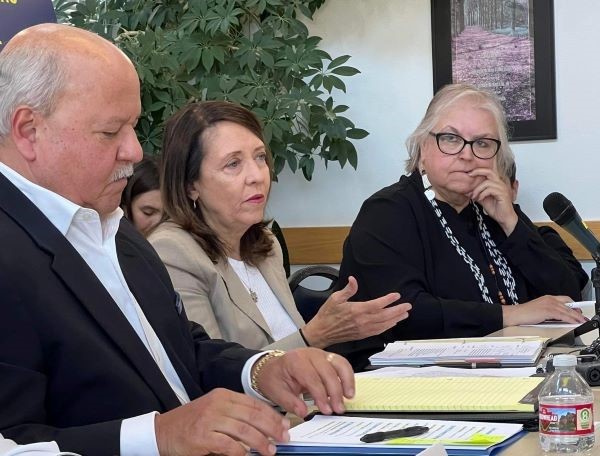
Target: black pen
x=411, y=431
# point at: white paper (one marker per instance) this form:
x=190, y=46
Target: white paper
x=345, y=431
x=438, y=371
x=581, y=304
x=521, y=350
x=10, y=448
x=553, y=324
x=435, y=450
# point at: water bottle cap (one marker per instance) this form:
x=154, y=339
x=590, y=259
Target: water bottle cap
x=564, y=361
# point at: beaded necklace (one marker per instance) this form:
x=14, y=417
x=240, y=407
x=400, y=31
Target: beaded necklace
x=489, y=247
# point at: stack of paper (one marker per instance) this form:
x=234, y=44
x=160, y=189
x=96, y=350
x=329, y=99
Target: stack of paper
x=341, y=435
x=440, y=371
x=492, y=351
x=443, y=394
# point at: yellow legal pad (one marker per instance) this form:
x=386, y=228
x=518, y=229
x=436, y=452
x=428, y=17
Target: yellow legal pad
x=443, y=394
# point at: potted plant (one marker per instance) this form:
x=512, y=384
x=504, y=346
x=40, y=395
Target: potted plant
x=257, y=53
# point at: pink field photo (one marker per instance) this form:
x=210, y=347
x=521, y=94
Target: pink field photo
x=505, y=46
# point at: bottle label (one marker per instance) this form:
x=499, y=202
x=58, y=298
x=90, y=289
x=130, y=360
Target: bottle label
x=576, y=419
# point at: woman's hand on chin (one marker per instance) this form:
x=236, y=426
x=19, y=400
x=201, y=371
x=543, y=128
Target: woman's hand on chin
x=495, y=197
x=339, y=320
x=546, y=307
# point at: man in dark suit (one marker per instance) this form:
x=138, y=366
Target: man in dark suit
x=96, y=351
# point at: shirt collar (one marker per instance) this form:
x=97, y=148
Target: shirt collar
x=59, y=210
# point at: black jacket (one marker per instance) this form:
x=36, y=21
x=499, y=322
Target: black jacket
x=71, y=366
x=397, y=244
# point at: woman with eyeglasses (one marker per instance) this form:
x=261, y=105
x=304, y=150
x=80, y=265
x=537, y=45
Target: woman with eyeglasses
x=449, y=239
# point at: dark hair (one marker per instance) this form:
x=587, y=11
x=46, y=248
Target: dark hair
x=182, y=154
x=144, y=179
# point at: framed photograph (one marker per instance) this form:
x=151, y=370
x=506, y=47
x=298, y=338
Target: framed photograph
x=505, y=46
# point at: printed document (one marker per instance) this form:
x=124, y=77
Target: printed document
x=343, y=431
x=504, y=350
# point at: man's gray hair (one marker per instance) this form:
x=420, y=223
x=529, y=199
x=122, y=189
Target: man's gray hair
x=444, y=99
x=29, y=75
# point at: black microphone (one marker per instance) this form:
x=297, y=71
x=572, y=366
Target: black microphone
x=562, y=212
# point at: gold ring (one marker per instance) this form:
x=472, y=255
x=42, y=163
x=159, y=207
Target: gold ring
x=330, y=357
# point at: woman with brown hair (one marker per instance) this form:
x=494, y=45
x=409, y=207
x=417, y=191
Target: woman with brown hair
x=222, y=259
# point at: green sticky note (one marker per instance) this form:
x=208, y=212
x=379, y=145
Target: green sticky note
x=475, y=440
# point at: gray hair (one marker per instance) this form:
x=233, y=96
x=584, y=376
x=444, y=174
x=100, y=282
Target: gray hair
x=443, y=100
x=31, y=76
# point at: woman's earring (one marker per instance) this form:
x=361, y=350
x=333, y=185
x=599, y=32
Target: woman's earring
x=194, y=204
x=429, y=193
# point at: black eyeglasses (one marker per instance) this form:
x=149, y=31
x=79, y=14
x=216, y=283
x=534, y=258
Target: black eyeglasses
x=451, y=144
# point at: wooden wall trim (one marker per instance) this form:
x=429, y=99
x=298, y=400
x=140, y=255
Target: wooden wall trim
x=315, y=245
x=323, y=244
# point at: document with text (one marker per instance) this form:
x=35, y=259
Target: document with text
x=515, y=351
x=326, y=432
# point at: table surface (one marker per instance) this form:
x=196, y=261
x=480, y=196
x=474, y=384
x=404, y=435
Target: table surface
x=529, y=444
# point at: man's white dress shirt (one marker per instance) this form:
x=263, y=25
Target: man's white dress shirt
x=94, y=238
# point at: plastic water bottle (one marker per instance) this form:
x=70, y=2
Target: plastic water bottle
x=566, y=406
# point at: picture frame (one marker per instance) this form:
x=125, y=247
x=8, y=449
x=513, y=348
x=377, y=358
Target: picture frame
x=493, y=51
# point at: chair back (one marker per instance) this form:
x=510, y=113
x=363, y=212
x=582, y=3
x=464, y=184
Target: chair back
x=309, y=301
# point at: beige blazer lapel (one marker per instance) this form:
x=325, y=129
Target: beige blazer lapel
x=239, y=295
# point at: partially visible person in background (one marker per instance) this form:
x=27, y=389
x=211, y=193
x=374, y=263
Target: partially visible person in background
x=141, y=199
x=551, y=237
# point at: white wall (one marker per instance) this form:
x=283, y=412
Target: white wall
x=390, y=42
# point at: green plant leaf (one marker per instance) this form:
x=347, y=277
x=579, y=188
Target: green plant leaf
x=338, y=61
x=207, y=59
x=357, y=133
x=345, y=71
x=340, y=108
x=308, y=169
x=352, y=154
x=258, y=53
x=337, y=83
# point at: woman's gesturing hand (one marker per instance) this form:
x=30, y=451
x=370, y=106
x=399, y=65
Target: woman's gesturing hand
x=339, y=320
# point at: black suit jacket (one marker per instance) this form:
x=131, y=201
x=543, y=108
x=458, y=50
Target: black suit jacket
x=71, y=366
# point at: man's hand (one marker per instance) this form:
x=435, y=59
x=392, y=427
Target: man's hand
x=327, y=377
x=220, y=422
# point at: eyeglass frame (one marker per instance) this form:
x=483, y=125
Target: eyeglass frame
x=465, y=143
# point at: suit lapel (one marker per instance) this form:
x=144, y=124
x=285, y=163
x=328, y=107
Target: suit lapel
x=159, y=306
x=240, y=296
x=83, y=283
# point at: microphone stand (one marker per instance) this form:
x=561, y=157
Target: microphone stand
x=594, y=322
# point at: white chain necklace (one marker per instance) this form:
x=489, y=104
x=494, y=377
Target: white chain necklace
x=248, y=284
x=489, y=245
